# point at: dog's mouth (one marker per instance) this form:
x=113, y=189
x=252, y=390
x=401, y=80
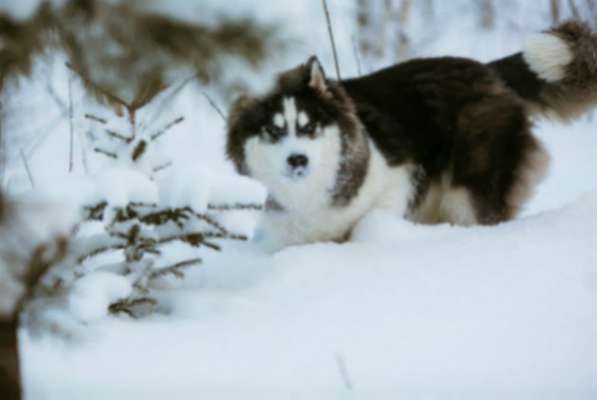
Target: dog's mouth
x=297, y=174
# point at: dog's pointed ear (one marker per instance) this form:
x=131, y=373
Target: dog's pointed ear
x=317, y=79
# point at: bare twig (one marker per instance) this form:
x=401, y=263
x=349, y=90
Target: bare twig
x=175, y=269
x=343, y=371
x=126, y=305
x=162, y=167
x=105, y=153
x=63, y=107
x=96, y=119
x=118, y=136
x=166, y=128
x=26, y=164
x=3, y=161
x=171, y=97
x=71, y=127
x=214, y=106
x=357, y=57
x=574, y=9
x=331, y=34
x=235, y=207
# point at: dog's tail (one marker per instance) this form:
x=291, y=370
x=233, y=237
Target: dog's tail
x=556, y=74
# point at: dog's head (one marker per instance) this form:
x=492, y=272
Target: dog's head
x=295, y=133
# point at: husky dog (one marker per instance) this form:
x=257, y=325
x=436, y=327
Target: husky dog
x=438, y=140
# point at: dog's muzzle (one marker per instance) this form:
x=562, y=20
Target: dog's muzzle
x=297, y=166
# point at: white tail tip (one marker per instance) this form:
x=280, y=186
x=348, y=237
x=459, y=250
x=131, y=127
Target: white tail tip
x=547, y=55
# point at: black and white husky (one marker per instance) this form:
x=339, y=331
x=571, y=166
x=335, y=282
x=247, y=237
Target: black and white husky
x=431, y=140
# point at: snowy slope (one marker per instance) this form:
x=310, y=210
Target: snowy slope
x=401, y=312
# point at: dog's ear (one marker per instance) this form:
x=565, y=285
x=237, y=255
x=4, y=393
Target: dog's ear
x=239, y=107
x=317, y=79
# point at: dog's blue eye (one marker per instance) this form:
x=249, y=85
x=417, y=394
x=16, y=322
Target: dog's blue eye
x=308, y=128
x=274, y=131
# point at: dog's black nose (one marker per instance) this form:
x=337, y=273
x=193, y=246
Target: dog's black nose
x=297, y=160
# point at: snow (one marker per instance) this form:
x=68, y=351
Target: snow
x=508, y=311
x=400, y=311
x=120, y=186
x=91, y=295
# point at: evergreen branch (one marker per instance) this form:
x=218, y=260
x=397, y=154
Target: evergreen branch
x=162, y=167
x=106, y=153
x=139, y=150
x=126, y=305
x=118, y=136
x=195, y=239
x=175, y=269
x=235, y=207
x=100, y=250
x=99, y=89
x=96, y=119
x=166, y=128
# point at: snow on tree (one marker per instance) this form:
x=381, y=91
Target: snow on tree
x=141, y=207
x=125, y=52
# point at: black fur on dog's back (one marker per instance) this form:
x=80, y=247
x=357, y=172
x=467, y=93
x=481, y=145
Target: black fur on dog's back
x=454, y=119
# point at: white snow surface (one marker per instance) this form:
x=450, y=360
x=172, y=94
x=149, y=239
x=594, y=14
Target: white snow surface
x=91, y=295
x=402, y=311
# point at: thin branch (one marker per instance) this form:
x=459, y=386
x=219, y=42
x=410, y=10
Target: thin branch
x=3, y=161
x=171, y=97
x=162, y=167
x=213, y=104
x=99, y=251
x=343, y=371
x=118, y=136
x=71, y=126
x=96, y=119
x=331, y=34
x=235, y=207
x=357, y=57
x=111, y=96
x=175, y=269
x=166, y=128
x=105, y=153
x=63, y=107
x=126, y=305
x=26, y=164
x=574, y=9
x=83, y=141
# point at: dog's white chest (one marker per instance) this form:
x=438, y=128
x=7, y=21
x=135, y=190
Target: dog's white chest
x=308, y=215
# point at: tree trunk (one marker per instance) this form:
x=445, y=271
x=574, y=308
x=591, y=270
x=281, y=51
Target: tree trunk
x=10, y=378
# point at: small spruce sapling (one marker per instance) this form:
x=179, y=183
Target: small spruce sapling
x=137, y=224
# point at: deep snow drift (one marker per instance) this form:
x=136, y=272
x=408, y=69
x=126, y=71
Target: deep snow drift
x=499, y=312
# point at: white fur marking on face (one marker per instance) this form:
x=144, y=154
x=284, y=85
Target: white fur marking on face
x=547, y=55
x=290, y=114
x=279, y=120
x=303, y=119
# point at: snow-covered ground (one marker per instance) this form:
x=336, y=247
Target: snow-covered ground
x=399, y=312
